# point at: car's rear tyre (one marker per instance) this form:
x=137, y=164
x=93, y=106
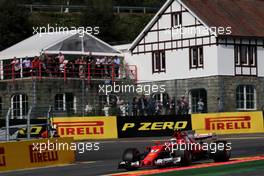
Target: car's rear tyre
x=221, y=155
x=186, y=158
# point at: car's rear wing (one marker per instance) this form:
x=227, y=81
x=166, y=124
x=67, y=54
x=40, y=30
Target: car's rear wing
x=205, y=136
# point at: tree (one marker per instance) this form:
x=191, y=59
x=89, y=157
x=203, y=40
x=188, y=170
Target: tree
x=99, y=13
x=14, y=23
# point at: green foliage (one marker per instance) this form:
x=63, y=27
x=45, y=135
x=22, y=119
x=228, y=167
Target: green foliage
x=14, y=23
x=99, y=13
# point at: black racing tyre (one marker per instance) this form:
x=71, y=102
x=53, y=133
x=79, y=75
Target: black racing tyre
x=221, y=155
x=131, y=155
x=186, y=158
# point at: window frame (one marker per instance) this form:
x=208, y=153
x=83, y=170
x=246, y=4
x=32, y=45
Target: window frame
x=59, y=102
x=199, y=58
x=19, y=105
x=238, y=57
x=160, y=66
x=176, y=19
x=62, y=104
x=245, y=98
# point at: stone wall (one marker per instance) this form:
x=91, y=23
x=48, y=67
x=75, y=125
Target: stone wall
x=223, y=87
x=41, y=93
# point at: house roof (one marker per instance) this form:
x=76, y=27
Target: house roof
x=54, y=42
x=245, y=17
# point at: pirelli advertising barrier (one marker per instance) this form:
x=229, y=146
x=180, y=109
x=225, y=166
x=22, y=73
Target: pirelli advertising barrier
x=28, y=154
x=19, y=127
x=81, y=128
x=228, y=123
x=147, y=126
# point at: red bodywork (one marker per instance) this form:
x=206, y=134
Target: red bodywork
x=155, y=151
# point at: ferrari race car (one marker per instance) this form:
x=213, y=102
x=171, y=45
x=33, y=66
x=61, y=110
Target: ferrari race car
x=183, y=148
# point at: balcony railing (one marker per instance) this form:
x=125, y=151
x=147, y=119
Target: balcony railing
x=69, y=71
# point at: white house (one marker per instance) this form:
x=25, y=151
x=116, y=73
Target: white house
x=207, y=49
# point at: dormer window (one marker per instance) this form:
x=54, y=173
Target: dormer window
x=176, y=20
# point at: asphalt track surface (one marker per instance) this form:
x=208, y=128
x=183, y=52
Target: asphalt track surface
x=105, y=160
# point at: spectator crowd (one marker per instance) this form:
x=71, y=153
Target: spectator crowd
x=57, y=66
x=144, y=106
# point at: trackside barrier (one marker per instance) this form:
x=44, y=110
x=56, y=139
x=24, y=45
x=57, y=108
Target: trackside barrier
x=152, y=126
x=82, y=128
x=86, y=128
x=228, y=123
x=23, y=154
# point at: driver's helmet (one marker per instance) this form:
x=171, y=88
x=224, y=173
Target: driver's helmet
x=173, y=140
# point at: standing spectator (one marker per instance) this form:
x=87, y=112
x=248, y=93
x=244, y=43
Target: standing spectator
x=61, y=58
x=89, y=109
x=200, y=106
x=184, y=106
x=135, y=107
x=172, y=106
x=123, y=109
x=119, y=104
x=90, y=61
x=43, y=60
x=70, y=69
x=103, y=61
x=117, y=63
x=35, y=66
x=151, y=106
x=26, y=64
x=49, y=66
x=98, y=67
x=142, y=105
x=76, y=67
x=63, y=67
x=108, y=66
x=220, y=105
x=106, y=109
x=166, y=106
x=158, y=107
x=82, y=68
x=16, y=66
x=178, y=107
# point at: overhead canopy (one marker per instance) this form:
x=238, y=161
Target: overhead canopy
x=52, y=43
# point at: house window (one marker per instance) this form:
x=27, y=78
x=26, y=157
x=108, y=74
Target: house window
x=197, y=95
x=59, y=102
x=19, y=104
x=158, y=62
x=196, y=57
x=246, y=97
x=65, y=102
x=176, y=20
x=245, y=55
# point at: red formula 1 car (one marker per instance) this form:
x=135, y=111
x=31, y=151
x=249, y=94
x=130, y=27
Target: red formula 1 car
x=182, y=149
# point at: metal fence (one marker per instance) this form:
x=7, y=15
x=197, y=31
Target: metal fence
x=79, y=8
